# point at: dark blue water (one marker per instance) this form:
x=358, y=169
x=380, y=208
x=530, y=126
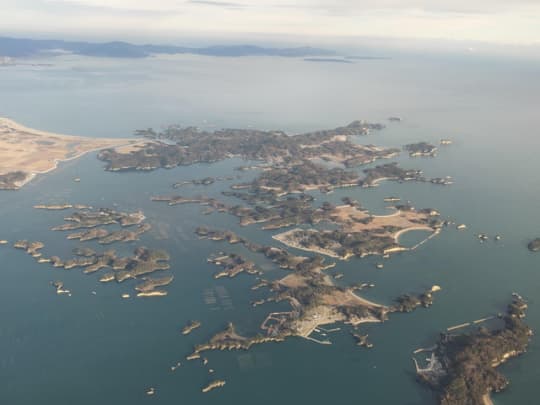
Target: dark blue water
x=88, y=349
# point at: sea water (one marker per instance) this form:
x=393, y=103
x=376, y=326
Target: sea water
x=98, y=348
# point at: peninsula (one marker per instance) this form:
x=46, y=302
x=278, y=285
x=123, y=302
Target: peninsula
x=462, y=368
x=26, y=152
x=360, y=233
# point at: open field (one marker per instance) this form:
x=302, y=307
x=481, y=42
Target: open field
x=28, y=152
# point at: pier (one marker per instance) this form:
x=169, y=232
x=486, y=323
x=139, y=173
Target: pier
x=428, y=349
x=464, y=325
x=321, y=342
x=425, y=240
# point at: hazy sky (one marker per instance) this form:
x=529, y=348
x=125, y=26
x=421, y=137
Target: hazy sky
x=497, y=21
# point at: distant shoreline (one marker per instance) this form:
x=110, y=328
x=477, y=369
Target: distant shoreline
x=329, y=60
x=27, y=47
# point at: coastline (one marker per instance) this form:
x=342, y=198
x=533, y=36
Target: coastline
x=376, y=182
x=33, y=174
x=14, y=125
x=426, y=228
x=282, y=237
x=13, y=129
x=486, y=399
x=4, y=121
x=329, y=321
x=393, y=214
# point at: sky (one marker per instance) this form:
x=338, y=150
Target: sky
x=508, y=22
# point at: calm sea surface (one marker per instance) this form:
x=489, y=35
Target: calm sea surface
x=99, y=349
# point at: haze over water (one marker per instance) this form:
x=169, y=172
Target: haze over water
x=89, y=349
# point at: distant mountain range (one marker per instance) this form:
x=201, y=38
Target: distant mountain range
x=17, y=47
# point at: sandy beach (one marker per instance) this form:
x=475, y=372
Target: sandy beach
x=413, y=228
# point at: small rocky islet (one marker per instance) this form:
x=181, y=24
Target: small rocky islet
x=213, y=385
x=534, y=245
x=190, y=327
x=423, y=149
x=232, y=265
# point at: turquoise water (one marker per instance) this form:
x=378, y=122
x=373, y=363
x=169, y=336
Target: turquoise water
x=89, y=349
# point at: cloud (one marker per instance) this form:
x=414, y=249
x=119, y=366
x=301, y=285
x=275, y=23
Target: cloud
x=118, y=5
x=338, y=7
x=432, y=6
x=217, y=3
x=476, y=20
x=146, y=5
